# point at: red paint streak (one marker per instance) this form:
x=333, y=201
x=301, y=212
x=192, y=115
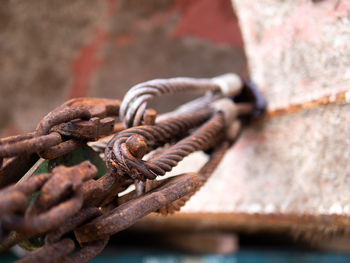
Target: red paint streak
x=86, y=64
x=124, y=39
x=208, y=19
x=111, y=8
x=88, y=61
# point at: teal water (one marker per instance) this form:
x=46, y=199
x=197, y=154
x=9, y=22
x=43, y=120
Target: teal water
x=240, y=257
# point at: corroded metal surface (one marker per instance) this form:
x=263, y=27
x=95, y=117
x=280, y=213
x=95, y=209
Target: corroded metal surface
x=67, y=200
x=52, y=253
x=48, y=206
x=65, y=115
x=137, y=141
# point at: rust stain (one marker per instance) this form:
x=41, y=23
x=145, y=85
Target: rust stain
x=327, y=99
x=338, y=97
x=124, y=39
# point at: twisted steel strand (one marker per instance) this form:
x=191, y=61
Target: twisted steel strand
x=191, y=106
x=137, y=141
x=129, y=158
x=135, y=101
x=204, y=173
x=201, y=139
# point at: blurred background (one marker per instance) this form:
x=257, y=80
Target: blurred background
x=52, y=51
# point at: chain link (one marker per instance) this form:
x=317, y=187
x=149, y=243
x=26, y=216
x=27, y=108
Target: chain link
x=51, y=205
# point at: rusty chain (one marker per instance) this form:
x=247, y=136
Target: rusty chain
x=51, y=205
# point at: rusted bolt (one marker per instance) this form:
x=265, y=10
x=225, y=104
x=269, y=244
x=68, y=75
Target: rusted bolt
x=137, y=145
x=149, y=117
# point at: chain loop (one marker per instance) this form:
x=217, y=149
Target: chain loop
x=72, y=199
